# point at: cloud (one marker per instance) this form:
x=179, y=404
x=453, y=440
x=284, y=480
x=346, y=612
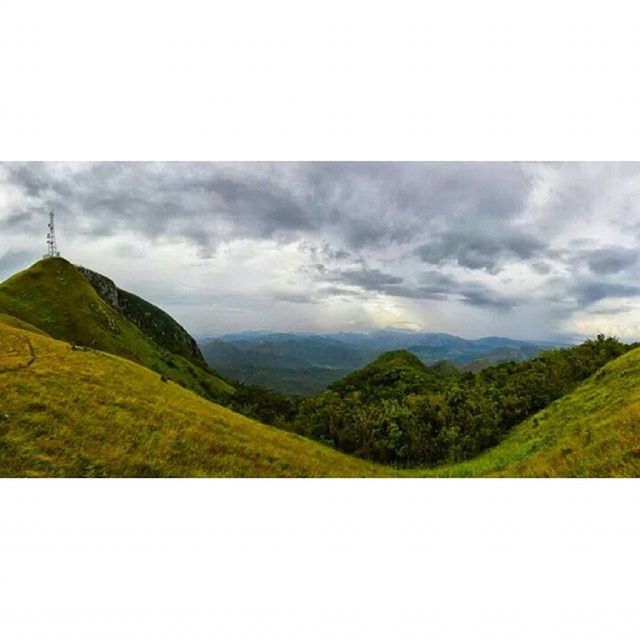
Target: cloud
x=593, y=291
x=432, y=285
x=449, y=245
x=370, y=279
x=479, y=250
x=611, y=260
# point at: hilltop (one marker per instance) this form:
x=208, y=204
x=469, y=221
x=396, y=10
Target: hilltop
x=53, y=296
x=393, y=373
x=66, y=412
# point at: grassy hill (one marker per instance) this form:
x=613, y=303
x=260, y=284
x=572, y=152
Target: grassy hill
x=66, y=412
x=152, y=321
x=53, y=296
x=592, y=432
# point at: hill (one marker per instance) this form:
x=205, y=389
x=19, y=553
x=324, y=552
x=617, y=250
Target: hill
x=593, y=431
x=151, y=320
x=398, y=411
x=394, y=373
x=53, y=296
x=66, y=412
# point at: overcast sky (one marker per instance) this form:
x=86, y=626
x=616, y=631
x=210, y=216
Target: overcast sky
x=519, y=249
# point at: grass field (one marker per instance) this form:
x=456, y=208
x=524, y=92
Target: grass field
x=77, y=413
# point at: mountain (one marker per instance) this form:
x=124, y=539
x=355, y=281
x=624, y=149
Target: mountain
x=305, y=364
x=296, y=364
x=55, y=297
x=151, y=320
x=76, y=413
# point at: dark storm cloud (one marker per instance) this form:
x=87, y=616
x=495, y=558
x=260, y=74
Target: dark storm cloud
x=371, y=279
x=359, y=204
x=478, y=295
x=593, y=291
x=479, y=251
x=611, y=260
x=431, y=286
x=191, y=201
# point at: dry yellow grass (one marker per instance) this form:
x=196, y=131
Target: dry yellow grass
x=66, y=412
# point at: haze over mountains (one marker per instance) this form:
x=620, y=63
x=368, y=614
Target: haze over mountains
x=305, y=363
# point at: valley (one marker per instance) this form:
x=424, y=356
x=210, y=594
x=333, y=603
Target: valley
x=305, y=364
x=95, y=381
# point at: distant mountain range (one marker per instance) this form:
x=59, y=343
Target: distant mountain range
x=306, y=363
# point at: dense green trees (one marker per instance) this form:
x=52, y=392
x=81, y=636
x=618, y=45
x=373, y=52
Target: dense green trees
x=398, y=411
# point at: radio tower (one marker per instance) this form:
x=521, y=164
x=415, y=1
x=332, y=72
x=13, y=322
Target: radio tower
x=52, y=247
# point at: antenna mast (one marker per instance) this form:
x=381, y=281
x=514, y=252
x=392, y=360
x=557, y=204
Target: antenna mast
x=52, y=247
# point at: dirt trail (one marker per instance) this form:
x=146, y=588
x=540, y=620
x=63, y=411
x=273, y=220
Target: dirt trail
x=16, y=352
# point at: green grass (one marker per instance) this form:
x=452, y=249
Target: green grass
x=77, y=413
x=54, y=297
x=19, y=324
x=592, y=432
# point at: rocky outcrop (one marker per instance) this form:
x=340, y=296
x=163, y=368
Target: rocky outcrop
x=152, y=321
x=104, y=287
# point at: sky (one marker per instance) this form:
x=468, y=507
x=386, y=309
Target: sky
x=526, y=250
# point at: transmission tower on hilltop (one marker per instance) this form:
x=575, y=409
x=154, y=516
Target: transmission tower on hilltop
x=52, y=247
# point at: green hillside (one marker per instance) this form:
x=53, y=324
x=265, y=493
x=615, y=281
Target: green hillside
x=66, y=412
x=53, y=296
x=394, y=373
x=398, y=411
x=592, y=432
x=152, y=321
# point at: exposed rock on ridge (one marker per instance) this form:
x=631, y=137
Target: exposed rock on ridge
x=151, y=320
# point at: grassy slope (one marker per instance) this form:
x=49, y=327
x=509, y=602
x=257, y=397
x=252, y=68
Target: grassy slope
x=160, y=326
x=19, y=324
x=592, y=432
x=87, y=413
x=54, y=297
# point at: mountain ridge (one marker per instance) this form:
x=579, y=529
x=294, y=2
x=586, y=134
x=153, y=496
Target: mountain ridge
x=53, y=296
x=305, y=363
x=151, y=320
